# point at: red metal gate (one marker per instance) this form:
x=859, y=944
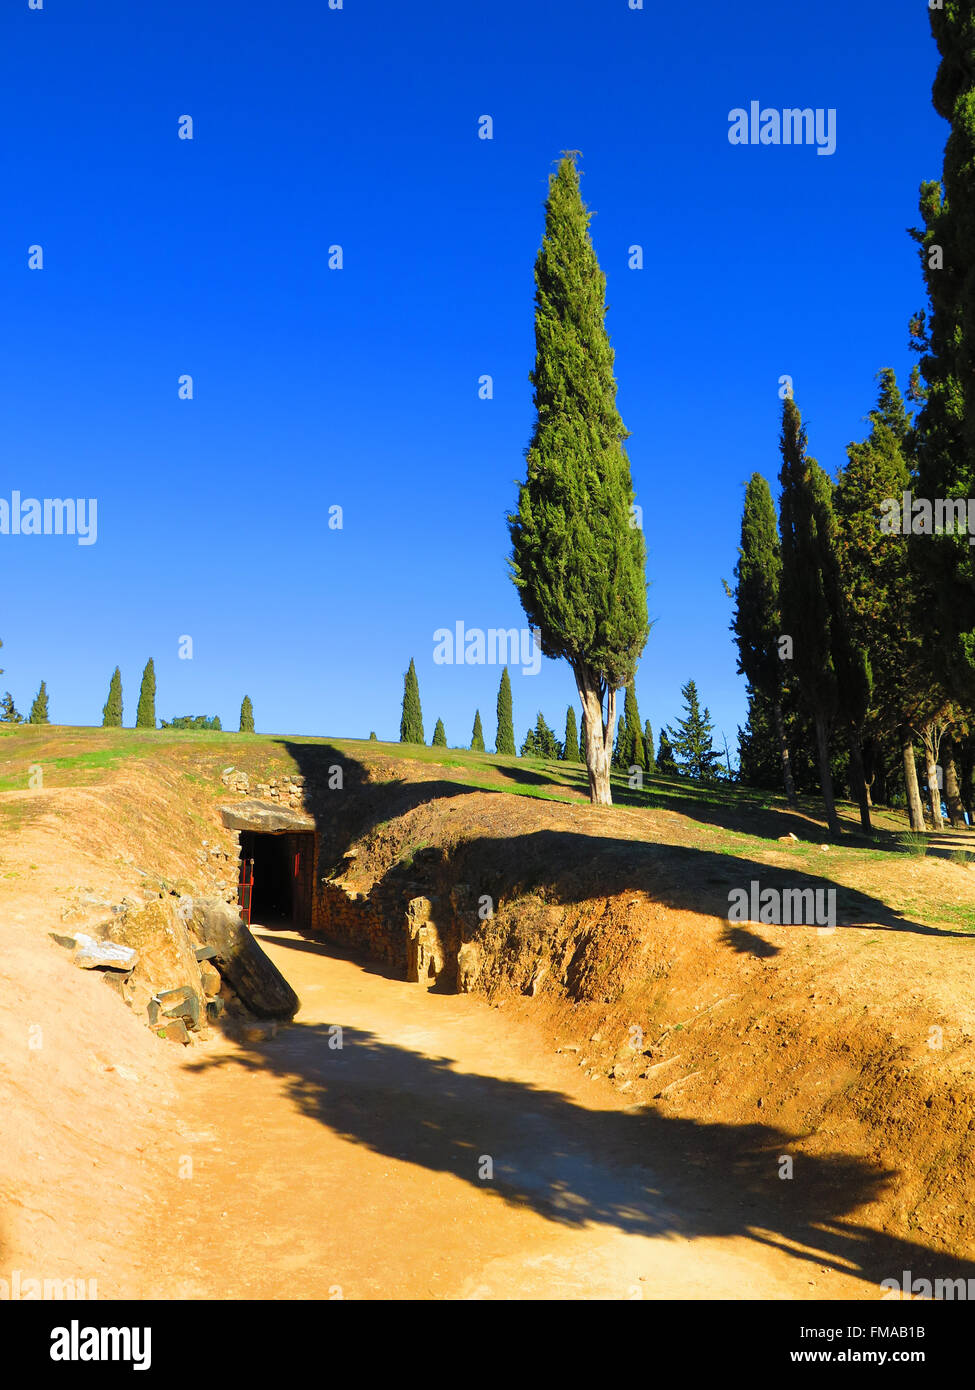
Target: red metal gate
x=245, y=889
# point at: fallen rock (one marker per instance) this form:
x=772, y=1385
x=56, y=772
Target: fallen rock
x=258, y=983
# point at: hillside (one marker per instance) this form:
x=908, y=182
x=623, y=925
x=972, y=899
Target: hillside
x=850, y=1051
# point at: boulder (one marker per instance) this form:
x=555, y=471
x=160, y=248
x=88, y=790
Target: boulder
x=257, y=982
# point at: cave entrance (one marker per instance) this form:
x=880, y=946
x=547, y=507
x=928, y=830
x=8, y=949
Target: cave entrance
x=281, y=865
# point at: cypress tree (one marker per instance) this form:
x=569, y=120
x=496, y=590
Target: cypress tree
x=578, y=559
x=833, y=675
x=38, y=710
x=649, y=756
x=439, y=739
x=145, y=717
x=112, y=709
x=634, y=736
x=372, y=736
x=505, y=741
x=691, y=741
x=946, y=424
x=757, y=621
x=411, y=720
x=246, y=716
x=622, y=738
x=666, y=765
x=477, y=736
x=885, y=602
x=570, y=746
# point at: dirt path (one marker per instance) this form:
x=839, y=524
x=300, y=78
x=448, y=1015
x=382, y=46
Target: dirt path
x=323, y=1171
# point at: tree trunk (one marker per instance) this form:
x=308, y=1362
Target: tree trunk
x=826, y=774
x=787, y=779
x=599, y=736
x=931, y=774
x=858, y=781
x=869, y=751
x=967, y=767
x=956, y=811
x=915, y=807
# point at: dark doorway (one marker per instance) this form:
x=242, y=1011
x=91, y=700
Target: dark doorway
x=282, y=872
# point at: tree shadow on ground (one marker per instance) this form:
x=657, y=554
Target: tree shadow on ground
x=572, y=867
x=639, y=1172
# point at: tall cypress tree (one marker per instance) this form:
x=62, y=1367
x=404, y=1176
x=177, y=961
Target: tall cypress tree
x=666, y=765
x=570, y=745
x=411, y=720
x=649, y=756
x=886, y=603
x=946, y=424
x=578, y=559
x=477, y=737
x=757, y=620
x=246, y=715
x=505, y=740
x=634, y=735
x=38, y=710
x=145, y=715
x=439, y=739
x=811, y=598
x=112, y=709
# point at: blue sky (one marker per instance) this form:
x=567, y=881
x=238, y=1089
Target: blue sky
x=359, y=387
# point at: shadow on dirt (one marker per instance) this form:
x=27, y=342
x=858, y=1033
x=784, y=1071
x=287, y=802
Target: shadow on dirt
x=640, y=1172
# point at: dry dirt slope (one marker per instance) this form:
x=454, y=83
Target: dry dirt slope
x=850, y=1052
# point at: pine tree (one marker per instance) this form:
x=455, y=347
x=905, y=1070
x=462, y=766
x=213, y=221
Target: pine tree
x=439, y=739
x=570, y=745
x=946, y=424
x=578, y=560
x=505, y=741
x=411, y=720
x=757, y=621
x=112, y=709
x=693, y=748
x=38, y=710
x=145, y=717
x=666, y=766
x=541, y=741
x=649, y=756
x=477, y=736
x=372, y=736
x=246, y=716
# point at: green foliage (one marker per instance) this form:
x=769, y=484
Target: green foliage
x=913, y=842
x=693, y=749
x=246, y=715
x=634, y=734
x=541, y=742
x=439, y=739
x=946, y=424
x=38, y=710
x=112, y=709
x=578, y=559
x=192, y=721
x=145, y=717
x=570, y=744
x=666, y=765
x=372, y=736
x=411, y=720
x=505, y=741
x=8, y=711
x=477, y=734
x=757, y=621
x=649, y=756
